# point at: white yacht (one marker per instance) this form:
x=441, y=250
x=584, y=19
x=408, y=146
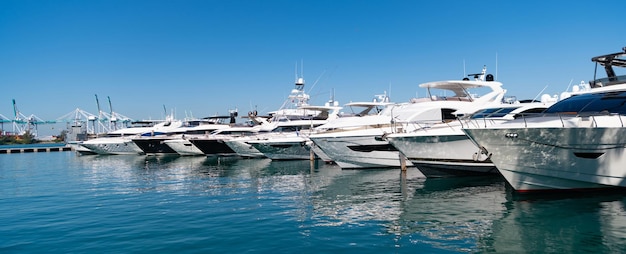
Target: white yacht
x=443, y=149
x=356, y=142
x=214, y=144
x=294, y=107
x=293, y=118
x=156, y=144
x=578, y=143
x=121, y=141
x=353, y=112
x=280, y=121
x=240, y=147
x=183, y=146
x=288, y=139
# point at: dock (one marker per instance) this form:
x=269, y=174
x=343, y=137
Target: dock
x=34, y=149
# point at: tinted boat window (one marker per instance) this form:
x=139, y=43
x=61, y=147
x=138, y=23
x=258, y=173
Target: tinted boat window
x=605, y=102
x=502, y=113
x=529, y=112
x=485, y=112
x=446, y=114
x=493, y=112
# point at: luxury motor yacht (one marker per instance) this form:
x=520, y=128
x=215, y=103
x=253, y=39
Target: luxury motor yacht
x=121, y=141
x=355, y=114
x=287, y=139
x=578, y=143
x=443, y=149
x=183, y=146
x=356, y=142
x=214, y=143
x=294, y=108
x=156, y=144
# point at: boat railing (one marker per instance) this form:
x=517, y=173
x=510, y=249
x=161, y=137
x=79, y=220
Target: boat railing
x=414, y=126
x=340, y=129
x=405, y=126
x=586, y=119
x=478, y=122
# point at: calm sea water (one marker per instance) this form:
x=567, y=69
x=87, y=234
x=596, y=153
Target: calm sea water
x=59, y=202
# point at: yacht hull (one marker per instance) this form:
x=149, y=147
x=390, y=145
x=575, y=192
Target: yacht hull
x=353, y=152
x=320, y=154
x=244, y=149
x=443, y=155
x=283, y=149
x=112, y=146
x=154, y=145
x=213, y=147
x=534, y=159
x=183, y=147
x=80, y=149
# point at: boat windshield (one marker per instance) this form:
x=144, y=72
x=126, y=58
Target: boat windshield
x=609, y=103
x=493, y=112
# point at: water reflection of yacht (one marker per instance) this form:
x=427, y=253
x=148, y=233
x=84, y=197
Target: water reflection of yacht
x=585, y=224
x=451, y=214
x=355, y=197
x=578, y=143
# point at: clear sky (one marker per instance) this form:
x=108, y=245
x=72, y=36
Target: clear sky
x=206, y=57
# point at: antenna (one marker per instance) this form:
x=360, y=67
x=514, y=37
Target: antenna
x=317, y=80
x=570, y=84
x=496, y=65
x=544, y=88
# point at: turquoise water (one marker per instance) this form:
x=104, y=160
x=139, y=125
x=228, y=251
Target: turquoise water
x=59, y=202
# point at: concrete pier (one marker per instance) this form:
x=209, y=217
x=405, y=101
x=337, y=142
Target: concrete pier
x=38, y=149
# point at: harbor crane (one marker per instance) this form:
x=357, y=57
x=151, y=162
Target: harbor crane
x=23, y=123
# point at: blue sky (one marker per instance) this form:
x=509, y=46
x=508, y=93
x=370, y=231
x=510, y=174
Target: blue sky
x=206, y=57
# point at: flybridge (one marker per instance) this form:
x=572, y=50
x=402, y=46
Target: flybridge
x=608, y=61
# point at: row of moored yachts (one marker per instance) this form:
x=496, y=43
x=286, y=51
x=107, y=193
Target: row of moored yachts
x=575, y=142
